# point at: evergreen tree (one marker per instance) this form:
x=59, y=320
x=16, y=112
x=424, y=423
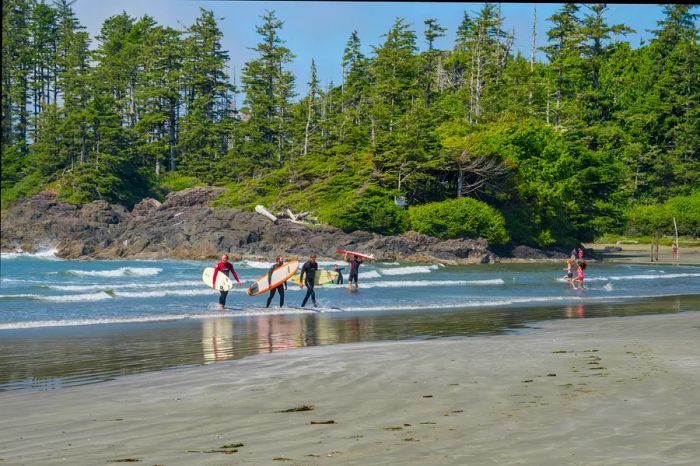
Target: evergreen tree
x=269, y=89
x=205, y=127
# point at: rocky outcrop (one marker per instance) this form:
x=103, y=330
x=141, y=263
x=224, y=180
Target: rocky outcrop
x=184, y=226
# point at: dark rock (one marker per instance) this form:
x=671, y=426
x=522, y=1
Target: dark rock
x=184, y=226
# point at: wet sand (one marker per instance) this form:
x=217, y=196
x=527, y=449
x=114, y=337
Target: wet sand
x=604, y=391
x=641, y=254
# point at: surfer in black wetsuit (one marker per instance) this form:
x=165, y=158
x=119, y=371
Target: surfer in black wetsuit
x=308, y=275
x=339, y=280
x=279, y=260
x=354, y=270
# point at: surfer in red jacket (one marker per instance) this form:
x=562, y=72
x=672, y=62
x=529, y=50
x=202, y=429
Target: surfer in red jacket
x=224, y=266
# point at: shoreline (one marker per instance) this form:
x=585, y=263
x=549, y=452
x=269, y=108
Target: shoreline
x=630, y=253
x=614, y=390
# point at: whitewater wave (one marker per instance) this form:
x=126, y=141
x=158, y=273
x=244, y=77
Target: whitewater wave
x=44, y=254
x=643, y=277
x=255, y=264
x=409, y=270
x=121, y=286
x=102, y=295
x=433, y=283
x=120, y=272
x=370, y=274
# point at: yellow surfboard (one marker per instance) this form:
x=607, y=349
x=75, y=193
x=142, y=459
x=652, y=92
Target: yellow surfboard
x=322, y=277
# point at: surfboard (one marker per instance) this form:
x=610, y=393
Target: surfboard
x=223, y=283
x=279, y=275
x=322, y=277
x=358, y=254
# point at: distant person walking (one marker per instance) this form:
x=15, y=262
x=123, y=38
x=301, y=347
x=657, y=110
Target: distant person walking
x=279, y=260
x=573, y=253
x=354, y=270
x=308, y=275
x=674, y=251
x=580, y=253
x=224, y=266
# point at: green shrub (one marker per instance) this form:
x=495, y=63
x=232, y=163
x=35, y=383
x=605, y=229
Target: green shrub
x=175, y=181
x=369, y=211
x=459, y=218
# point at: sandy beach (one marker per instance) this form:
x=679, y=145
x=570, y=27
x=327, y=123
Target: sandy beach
x=641, y=254
x=605, y=391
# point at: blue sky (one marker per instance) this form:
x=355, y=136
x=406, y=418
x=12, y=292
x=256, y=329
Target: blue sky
x=320, y=29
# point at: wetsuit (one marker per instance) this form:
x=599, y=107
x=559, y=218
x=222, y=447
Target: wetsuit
x=308, y=275
x=339, y=280
x=354, y=270
x=224, y=267
x=279, y=288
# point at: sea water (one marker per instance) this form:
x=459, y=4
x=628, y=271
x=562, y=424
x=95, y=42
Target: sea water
x=70, y=322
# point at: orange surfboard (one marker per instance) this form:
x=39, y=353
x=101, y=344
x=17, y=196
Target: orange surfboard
x=280, y=275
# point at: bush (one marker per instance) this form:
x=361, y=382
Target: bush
x=174, y=181
x=459, y=218
x=369, y=211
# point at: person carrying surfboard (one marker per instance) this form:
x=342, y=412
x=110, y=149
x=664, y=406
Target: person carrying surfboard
x=224, y=266
x=308, y=275
x=354, y=270
x=279, y=260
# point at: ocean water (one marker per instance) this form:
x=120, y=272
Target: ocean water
x=65, y=322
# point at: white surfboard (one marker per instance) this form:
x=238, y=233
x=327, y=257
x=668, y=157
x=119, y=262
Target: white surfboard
x=223, y=283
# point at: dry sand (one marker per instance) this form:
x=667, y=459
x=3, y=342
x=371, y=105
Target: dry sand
x=607, y=391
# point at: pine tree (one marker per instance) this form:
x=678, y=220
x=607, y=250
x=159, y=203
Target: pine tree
x=269, y=89
x=205, y=127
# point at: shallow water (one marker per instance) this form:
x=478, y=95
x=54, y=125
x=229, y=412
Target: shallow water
x=65, y=323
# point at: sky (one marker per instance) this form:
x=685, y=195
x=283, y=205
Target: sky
x=319, y=30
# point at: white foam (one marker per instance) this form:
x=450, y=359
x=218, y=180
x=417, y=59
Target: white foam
x=156, y=318
x=424, y=283
x=408, y=270
x=120, y=272
x=73, y=297
x=256, y=264
x=162, y=293
x=370, y=274
x=123, y=286
x=44, y=254
x=642, y=277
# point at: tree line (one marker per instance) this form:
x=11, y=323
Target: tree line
x=548, y=151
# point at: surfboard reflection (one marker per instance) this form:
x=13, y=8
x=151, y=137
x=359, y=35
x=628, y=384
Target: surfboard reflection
x=217, y=339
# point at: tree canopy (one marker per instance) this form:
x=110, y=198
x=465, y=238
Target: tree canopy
x=551, y=151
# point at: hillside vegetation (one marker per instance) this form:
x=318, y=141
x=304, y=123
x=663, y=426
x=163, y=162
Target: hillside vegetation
x=599, y=138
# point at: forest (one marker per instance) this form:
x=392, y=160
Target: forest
x=478, y=140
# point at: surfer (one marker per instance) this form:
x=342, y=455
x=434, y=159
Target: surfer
x=337, y=268
x=279, y=260
x=354, y=270
x=308, y=275
x=579, y=275
x=224, y=266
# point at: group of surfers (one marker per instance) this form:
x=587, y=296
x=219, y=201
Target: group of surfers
x=307, y=278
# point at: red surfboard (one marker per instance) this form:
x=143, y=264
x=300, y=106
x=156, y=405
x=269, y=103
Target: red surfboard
x=358, y=254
